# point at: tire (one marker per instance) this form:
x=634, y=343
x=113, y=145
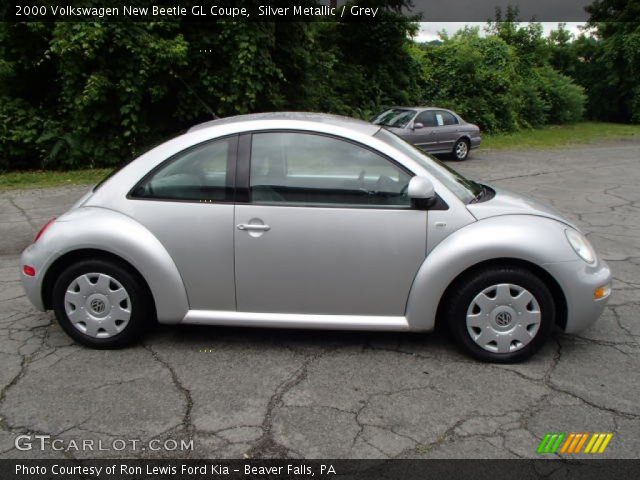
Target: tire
x=508, y=328
x=461, y=150
x=91, y=299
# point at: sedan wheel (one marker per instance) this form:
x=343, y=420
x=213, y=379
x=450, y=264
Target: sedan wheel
x=461, y=150
x=102, y=304
x=501, y=314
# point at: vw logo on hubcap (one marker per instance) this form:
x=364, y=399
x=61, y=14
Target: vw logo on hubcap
x=97, y=305
x=503, y=319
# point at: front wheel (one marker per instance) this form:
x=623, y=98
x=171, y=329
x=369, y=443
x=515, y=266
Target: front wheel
x=101, y=304
x=461, y=150
x=501, y=315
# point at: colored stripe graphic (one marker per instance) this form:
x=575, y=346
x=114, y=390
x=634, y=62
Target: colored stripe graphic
x=574, y=442
x=550, y=442
x=605, y=443
x=568, y=443
x=582, y=442
x=598, y=443
x=576, y=445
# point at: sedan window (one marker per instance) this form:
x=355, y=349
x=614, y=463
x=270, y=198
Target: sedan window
x=446, y=118
x=394, y=117
x=309, y=169
x=427, y=118
x=198, y=174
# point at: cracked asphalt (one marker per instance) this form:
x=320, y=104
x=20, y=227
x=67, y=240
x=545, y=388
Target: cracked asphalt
x=273, y=393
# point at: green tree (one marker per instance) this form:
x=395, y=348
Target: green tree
x=503, y=81
x=95, y=94
x=474, y=76
x=614, y=89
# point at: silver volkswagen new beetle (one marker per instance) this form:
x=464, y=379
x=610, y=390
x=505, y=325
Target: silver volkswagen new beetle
x=301, y=220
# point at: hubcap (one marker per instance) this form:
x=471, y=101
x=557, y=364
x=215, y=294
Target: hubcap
x=97, y=305
x=503, y=318
x=461, y=150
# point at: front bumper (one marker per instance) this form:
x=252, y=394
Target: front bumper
x=579, y=281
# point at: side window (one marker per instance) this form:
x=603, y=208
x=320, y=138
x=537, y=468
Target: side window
x=446, y=118
x=427, y=118
x=307, y=169
x=199, y=173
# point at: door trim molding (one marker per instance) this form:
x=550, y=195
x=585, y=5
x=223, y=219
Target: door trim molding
x=295, y=320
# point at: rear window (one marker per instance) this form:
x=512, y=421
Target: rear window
x=140, y=153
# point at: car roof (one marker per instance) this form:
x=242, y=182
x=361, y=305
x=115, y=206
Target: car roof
x=323, y=118
x=421, y=109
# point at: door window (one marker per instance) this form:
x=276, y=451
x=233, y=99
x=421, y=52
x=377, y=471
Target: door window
x=308, y=169
x=198, y=174
x=427, y=118
x=446, y=118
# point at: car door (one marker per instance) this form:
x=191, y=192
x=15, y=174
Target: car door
x=327, y=228
x=187, y=203
x=425, y=137
x=447, y=130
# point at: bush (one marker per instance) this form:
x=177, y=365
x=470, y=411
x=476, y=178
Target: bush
x=499, y=86
x=94, y=94
x=87, y=94
x=20, y=131
x=564, y=100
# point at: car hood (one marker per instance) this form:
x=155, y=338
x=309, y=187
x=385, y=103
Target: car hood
x=506, y=202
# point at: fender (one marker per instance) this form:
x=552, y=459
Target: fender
x=536, y=239
x=113, y=232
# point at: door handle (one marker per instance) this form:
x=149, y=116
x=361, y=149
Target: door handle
x=250, y=226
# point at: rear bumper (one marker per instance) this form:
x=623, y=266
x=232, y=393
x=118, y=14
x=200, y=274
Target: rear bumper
x=33, y=285
x=475, y=142
x=578, y=281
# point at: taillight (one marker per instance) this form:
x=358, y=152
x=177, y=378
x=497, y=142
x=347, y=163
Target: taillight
x=29, y=271
x=43, y=229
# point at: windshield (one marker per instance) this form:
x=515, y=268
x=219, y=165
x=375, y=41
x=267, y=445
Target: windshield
x=394, y=117
x=465, y=189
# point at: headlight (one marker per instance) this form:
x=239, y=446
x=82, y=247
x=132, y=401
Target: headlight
x=581, y=246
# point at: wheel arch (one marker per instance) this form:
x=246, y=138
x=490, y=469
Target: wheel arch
x=88, y=232
x=464, y=136
x=74, y=256
x=528, y=240
x=558, y=294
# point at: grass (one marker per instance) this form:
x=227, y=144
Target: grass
x=559, y=136
x=43, y=179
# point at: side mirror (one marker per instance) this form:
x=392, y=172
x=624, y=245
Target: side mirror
x=421, y=188
x=421, y=193
x=417, y=125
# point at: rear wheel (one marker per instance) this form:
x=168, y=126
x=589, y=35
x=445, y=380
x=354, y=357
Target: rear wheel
x=501, y=314
x=461, y=150
x=101, y=304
